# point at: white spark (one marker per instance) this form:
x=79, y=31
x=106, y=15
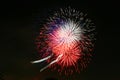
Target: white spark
x=41, y=60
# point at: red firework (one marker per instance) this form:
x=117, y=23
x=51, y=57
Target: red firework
x=65, y=43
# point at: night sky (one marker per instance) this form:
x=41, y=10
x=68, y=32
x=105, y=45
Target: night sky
x=20, y=22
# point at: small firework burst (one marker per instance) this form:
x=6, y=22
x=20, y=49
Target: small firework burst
x=66, y=41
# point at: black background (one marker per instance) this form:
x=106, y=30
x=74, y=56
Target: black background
x=20, y=22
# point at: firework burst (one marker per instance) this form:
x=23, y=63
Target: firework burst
x=66, y=41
